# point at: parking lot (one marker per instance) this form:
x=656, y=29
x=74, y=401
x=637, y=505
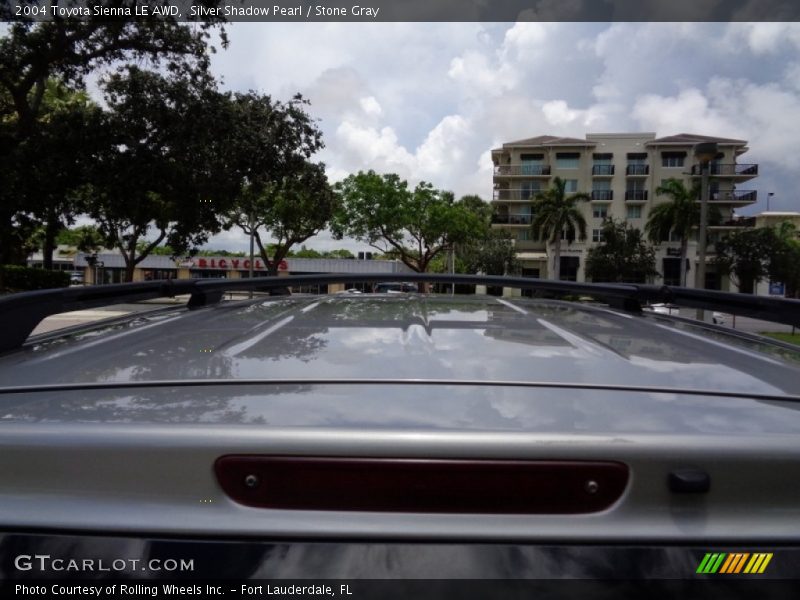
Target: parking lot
x=79, y=317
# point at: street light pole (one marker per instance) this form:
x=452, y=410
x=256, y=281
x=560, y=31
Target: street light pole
x=705, y=153
x=250, y=226
x=452, y=267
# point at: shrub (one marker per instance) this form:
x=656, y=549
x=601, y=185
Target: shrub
x=14, y=278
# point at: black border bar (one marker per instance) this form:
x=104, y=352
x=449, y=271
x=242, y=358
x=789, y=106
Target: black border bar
x=369, y=11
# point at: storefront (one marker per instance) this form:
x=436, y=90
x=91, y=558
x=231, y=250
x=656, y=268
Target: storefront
x=110, y=268
x=228, y=267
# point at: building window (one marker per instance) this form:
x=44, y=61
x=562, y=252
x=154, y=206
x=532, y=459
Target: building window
x=529, y=189
x=636, y=185
x=570, y=186
x=602, y=159
x=531, y=164
x=523, y=235
x=601, y=190
x=597, y=235
x=601, y=184
x=634, y=212
x=602, y=164
x=567, y=160
x=599, y=212
x=672, y=159
x=637, y=164
x=637, y=158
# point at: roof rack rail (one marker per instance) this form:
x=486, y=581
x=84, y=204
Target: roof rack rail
x=21, y=313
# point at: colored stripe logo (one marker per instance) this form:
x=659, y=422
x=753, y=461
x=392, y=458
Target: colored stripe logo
x=734, y=563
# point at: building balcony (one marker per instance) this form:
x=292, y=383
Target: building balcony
x=603, y=195
x=740, y=197
x=602, y=170
x=637, y=170
x=522, y=170
x=533, y=245
x=740, y=171
x=511, y=219
x=515, y=194
x=635, y=195
x=737, y=223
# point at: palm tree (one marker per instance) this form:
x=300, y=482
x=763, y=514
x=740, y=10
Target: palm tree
x=553, y=212
x=678, y=216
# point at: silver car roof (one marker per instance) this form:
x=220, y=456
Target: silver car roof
x=484, y=348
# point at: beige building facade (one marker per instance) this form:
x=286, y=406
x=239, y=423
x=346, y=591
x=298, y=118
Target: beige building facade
x=621, y=172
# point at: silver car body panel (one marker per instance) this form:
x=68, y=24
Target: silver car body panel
x=392, y=376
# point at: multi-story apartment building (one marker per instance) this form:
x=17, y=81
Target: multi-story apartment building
x=621, y=172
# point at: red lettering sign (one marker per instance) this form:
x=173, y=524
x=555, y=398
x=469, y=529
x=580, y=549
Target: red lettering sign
x=223, y=263
x=283, y=265
x=258, y=265
x=213, y=266
x=235, y=262
x=246, y=265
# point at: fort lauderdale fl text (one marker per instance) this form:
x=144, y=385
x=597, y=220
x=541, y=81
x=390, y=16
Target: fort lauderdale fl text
x=141, y=589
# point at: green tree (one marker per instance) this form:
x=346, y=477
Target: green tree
x=160, y=176
x=785, y=264
x=58, y=155
x=304, y=252
x=85, y=238
x=291, y=210
x=679, y=216
x=622, y=256
x=415, y=225
x=340, y=253
x=71, y=49
x=67, y=50
x=553, y=213
x=752, y=255
x=301, y=207
x=482, y=209
x=491, y=254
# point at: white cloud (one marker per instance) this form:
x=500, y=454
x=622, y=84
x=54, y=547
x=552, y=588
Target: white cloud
x=475, y=72
x=442, y=152
x=688, y=111
x=373, y=148
x=792, y=75
x=370, y=106
x=524, y=40
x=768, y=116
x=761, y=38
x=558, y=113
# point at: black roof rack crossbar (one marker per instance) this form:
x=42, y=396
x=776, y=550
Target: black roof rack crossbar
x=21, y=313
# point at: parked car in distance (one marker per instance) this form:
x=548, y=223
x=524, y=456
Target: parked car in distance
x=717, y=318
x=76, y=278
x=394, y=288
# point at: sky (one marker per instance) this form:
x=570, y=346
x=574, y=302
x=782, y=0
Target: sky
x=430, y=100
